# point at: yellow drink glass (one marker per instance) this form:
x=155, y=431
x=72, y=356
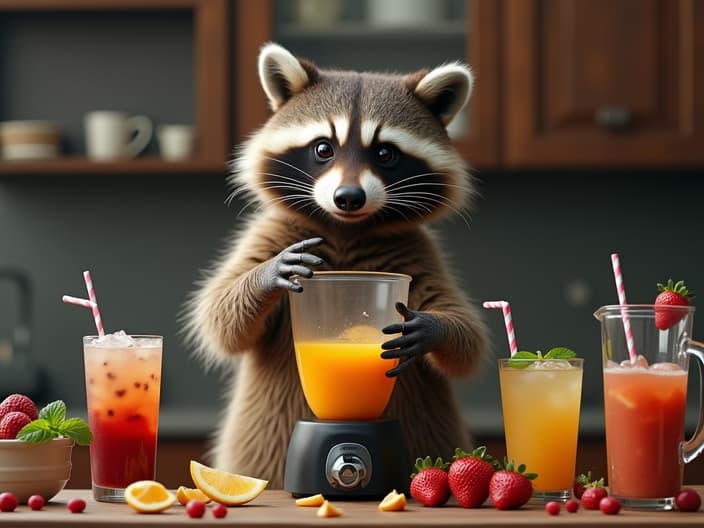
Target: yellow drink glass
x=540, y=405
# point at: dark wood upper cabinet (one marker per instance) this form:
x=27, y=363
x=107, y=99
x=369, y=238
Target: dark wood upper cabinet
x=592, y=83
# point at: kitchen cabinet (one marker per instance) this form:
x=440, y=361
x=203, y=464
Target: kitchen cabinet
x=560, y=83
x=603, y=83
x=206, y=22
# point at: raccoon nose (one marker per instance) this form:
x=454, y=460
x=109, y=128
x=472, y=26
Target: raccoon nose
x=349, y=198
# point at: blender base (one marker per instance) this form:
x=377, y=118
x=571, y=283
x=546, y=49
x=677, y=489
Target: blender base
x=347, y=460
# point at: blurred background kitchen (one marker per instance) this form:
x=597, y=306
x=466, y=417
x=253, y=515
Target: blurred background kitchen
x=585, y=131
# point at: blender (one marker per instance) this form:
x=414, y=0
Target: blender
x=348, y=451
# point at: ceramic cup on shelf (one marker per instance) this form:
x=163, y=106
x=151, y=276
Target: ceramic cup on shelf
x=29, y=140
x=114, y=135
x=176, y=142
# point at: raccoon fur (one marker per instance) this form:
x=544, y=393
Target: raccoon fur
x=363, y=161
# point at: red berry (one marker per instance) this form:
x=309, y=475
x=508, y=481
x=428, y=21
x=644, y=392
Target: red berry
x=688, y=500
x=572, y=505
x=430, y=485
x=469, y=476
x=671, y=294
x=195, y=508
x=592, y=496
x=36, y=502
x=76, y=505
x=510, y=489
x=8, y=501
x=552, y=507
x=18, y=403
x=11, y=424
x=219, y=511
x=610, y=505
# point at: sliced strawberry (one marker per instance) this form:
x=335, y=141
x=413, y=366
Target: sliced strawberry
x=671, y=294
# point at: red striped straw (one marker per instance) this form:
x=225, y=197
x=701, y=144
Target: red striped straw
x=75, y=300
x=621, y=290
x=510, y=334
x=94, y=300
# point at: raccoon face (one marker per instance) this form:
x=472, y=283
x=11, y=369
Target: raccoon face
x=357, y=147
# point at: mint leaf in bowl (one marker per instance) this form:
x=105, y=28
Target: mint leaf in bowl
x=52, y=423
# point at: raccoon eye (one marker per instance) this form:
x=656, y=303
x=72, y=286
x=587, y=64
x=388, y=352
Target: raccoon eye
x=323, y=151
x=386, y=155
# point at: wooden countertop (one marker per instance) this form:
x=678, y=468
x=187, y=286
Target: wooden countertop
x=277, y=509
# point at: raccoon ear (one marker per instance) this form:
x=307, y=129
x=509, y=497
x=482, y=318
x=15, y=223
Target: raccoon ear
x=282, y=75
x=444, y=90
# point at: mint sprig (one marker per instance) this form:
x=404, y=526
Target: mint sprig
x=52, y=423
x=521, y=360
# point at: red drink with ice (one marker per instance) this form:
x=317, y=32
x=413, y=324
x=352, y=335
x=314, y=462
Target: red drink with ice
x=123, y=375
x=645, y=399
x=645, y=410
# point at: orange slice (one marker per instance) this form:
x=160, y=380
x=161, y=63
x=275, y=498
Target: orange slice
x=226, y=488
x=328, y=510
x=394, y=501
x=313, y=500
x=184, y=494
x=148, y=496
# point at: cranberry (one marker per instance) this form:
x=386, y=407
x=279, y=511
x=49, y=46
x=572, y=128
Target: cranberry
x=195, y=508
x=8, y=501
x=688, y=500
x=572, y=505
x=219, y=511
x=36, y=502
x=552, y=507
x=76, y=505
x=609, y=505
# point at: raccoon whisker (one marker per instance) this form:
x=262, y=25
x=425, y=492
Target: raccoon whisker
x=297, y=197
x=309, y=176
x=404, y=180
x=418, y=208
x=438, y=198
x=288, y=178
x=399, y=211
x=282, y=185
x=241, y=189
x=432, y=197
x=427, y=184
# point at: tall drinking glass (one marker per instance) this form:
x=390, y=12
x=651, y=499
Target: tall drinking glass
x=123, y=381
x=540, y=402
x=645, y=402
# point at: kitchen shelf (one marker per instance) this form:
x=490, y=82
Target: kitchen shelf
x=455, y=29
x=81, y=165
x=211, y=86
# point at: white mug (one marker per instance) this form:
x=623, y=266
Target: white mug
x=116, y=135
x=176, y=142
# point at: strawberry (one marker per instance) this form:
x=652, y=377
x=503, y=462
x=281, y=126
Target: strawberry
x=20, y=403
x=671, y=294
x=580, y=484
x=11, y=424
x=510, y=489
x=594, y=492
x=429, y=485
x=469, y=476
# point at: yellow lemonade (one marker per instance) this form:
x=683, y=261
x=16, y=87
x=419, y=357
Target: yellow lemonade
x=541, y=421
x=344, y=380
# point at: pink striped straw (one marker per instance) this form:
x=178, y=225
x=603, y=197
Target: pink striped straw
x=75, y=300
x=94, y=300
x=510, y=334
x=621, y=290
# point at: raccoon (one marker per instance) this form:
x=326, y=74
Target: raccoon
x=346, y=173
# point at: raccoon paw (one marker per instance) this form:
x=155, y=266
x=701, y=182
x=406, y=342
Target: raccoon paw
x=294, y=260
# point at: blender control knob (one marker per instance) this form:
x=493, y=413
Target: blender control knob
x=348, y=471
x=348, y=466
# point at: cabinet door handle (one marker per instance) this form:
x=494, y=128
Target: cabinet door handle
x=614, y=117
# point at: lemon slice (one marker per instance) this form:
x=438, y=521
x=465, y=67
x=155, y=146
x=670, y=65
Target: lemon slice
x=394, y=501
x=148, y=496
x=226, y=488
x=184, y=494
x=328, y=510
x=313, y=500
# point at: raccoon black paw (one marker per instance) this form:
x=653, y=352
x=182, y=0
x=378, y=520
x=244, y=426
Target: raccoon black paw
x=294, y=260
x=420, y=333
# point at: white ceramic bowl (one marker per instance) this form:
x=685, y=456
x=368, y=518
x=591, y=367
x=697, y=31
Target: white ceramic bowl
x=35, y=469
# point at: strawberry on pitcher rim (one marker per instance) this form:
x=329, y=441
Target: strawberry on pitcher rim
x=671, y=294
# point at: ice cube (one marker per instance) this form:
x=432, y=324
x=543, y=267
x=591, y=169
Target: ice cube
x=550, y=364
x=611, y=364
x=639, y=362
x=665, y=367
x=119, y=339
